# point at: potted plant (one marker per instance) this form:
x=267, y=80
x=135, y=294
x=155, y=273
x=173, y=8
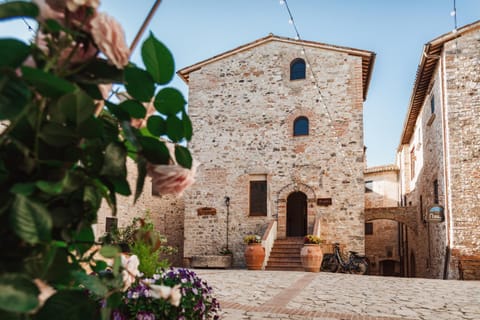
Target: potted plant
x=311, y=253
x=254, y=252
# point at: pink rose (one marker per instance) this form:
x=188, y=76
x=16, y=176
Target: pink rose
x=173, y=178
x=73, y=5
x=110, y=39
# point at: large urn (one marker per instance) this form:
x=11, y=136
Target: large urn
x=311, y=256
x=254, y=256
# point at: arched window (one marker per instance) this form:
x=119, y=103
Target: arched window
x=297, y=69
x=300, y=126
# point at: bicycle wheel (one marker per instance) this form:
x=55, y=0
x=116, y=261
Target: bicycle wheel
x=359, y=266
x=329, y=264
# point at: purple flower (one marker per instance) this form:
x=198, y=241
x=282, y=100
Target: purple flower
x=143, y=315
x=117, y=315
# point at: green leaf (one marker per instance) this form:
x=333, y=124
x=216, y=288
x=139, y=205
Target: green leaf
x=30, y=220
x=154, y=150
x=187, y=126
x=100, y=266
x=92, y=90
x=93, y=284
x=169, y=101
x=26, y=188
x=56, y=135
x=77, y=106
x=158, y=60
x=13, y=52
x=183, y=156
x=47, y=83
x=16, y=9
x=91, y=128
x=134, y=108
x=18, y=293
x=114, y=161
x=68, y=304
x=121, y=186
x=175, y=129
x=141, y=174
x=70, y=182
x=139, y=84
x=99, y=71
x=14, y=96
x=109, y=251
x=92, y=198
x=118, y=112
x=156, y=125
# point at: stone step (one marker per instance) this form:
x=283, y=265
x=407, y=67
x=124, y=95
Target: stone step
x=285, y=255
x=282, y=268
x=292, y=251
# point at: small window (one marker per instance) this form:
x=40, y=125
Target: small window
x=368, y=228
x=300, y=126
x=435, y=192
x=297, y=69
x=258, y=198
x=432, y=104
x=368, y=186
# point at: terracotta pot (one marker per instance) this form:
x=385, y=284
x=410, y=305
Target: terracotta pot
x=254, y=255
x=311, y=256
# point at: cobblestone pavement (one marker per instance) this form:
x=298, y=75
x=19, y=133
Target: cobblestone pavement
x=282, y=295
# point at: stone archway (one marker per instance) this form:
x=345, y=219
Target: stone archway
x=282, y=197
x=405, y=215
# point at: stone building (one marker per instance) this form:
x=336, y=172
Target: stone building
x=439, y=156
x=279, y=131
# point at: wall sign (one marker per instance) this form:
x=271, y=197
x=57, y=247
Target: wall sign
x=206, y=211
x=324, y=202
x=435, y=213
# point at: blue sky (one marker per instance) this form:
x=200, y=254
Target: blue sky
x=395, y=30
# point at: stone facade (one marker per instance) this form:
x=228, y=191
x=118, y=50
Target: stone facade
x=439, y=154
x=243, y=106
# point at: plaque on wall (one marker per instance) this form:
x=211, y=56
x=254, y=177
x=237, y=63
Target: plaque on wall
x=435, y=214
x=324, y=202
x=206, y=211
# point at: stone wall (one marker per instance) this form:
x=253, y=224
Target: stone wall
x=242, y=108
x=166, y=212
x=446, y=148
x=426, y=151
x=462, y=85
x=382, y=245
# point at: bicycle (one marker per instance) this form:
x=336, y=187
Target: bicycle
x=334, y=262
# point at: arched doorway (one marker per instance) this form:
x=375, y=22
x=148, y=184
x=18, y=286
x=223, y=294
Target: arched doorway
x=296, y=214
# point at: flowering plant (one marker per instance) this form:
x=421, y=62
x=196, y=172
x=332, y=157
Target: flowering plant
x=252, y=239
x=311, y=239
x=64, y=146
x=183, y=295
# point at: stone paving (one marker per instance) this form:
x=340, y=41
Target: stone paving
x=283, y=295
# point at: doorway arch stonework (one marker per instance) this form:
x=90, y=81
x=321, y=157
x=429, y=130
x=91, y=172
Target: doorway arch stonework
x=282, y=207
